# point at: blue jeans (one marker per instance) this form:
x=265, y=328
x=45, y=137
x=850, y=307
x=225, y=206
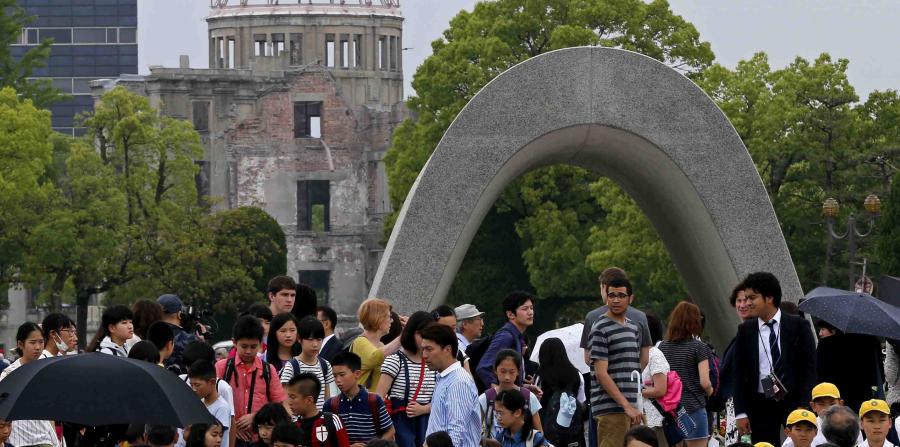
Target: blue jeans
x=410, y=432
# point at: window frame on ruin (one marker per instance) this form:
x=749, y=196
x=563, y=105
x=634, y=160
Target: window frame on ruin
x=304, y=112
x=312, y=194
x=318, y=280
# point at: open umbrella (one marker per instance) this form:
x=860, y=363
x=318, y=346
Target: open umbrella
x=853, y=312
x=99, y=389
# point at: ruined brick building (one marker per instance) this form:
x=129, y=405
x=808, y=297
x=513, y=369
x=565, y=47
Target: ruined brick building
x=296, y=113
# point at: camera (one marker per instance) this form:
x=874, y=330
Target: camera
x=191, y=321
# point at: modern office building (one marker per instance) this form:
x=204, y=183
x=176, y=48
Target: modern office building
x=92, y=39
x=296, y=112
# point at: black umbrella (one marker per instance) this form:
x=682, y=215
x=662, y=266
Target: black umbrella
x=99, y=389
x=853, y=312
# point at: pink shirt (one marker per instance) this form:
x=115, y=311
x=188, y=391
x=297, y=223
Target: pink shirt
x=240, y=383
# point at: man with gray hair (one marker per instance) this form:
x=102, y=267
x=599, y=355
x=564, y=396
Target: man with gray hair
x=469, y=324
x=841, y=426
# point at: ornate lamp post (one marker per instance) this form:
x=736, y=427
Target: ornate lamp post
x=831, y=208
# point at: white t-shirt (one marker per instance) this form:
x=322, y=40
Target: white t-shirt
x=534, y=405
x=866, y=444
x=657, y=364
x=222, y=412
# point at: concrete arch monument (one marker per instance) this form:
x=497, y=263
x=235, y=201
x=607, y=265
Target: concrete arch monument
x=624, y=115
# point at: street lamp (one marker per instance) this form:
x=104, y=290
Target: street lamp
x=831, y=208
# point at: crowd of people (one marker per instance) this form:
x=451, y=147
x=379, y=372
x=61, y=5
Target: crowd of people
x=433, y=378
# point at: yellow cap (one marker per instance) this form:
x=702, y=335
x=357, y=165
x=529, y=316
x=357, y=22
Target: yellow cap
x=763, y=444
x=801, y=415
x=825, y=389
x=874, y=405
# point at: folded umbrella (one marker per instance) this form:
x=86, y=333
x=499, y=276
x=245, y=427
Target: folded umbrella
x=99, y=389
x=853, y=312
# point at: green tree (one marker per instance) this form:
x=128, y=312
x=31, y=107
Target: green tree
x=221, y=262
x=478, y=46
x=26, y=153
x=123, y=192
x=810, y=139
x=889, y=242
x=15, y=73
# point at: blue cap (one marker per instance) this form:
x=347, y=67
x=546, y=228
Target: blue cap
x=171, y=304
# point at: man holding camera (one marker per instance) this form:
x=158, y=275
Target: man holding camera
x=173, y=314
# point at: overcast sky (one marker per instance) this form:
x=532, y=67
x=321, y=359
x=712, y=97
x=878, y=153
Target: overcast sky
x=864, y=31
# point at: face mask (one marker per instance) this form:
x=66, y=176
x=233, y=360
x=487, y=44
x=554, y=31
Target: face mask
x=61, y=345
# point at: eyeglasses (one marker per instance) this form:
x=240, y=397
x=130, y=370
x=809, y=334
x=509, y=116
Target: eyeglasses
x=617, y=296
x=72, y=330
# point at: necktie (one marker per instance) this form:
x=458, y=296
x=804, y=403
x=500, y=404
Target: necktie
x=773, y=349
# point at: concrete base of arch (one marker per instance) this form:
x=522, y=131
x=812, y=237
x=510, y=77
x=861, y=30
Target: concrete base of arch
x=624, y=115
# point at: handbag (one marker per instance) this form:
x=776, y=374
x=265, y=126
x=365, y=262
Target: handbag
x=396, y=405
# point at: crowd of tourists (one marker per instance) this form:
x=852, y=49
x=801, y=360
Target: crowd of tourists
x=433, y=378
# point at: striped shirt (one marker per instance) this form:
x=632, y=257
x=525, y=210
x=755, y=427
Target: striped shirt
x=357, y=416
x=453, y=407
x=683, y=357
x=393, y=366
x=27, y=432
x=620, y=346
x=326, y=378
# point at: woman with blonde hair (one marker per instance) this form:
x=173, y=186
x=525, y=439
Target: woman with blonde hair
x=375, y=318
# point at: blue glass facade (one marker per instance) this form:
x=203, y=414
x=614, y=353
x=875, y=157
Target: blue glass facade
x=93, y=39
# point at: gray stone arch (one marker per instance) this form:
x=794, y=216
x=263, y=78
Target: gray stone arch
x=624, y=115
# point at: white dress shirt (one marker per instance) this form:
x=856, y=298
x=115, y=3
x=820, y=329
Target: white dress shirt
x=765, y=356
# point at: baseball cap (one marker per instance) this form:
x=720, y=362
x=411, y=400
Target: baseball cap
x=874, y=405
x=801, y=415
x=467, y=311
x=763, y=444
x=825, y=389
x=171, y=304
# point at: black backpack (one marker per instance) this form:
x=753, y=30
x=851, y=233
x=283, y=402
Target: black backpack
x=559, y=436
x=476, y=351
x=230, y=371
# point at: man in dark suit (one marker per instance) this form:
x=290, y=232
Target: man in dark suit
x=775, y=362
x=331, y=345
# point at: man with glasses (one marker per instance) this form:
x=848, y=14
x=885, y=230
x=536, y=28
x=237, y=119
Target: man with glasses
x=59, y=331
x=331, y=345
x=616, y=350
x=469, y=324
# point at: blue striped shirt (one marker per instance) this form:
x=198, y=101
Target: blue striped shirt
x=454, y=408
x=357, y=416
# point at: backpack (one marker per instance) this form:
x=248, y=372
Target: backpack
x=571, y=436
x=715, y=402
x=476, y=351
x=487, y=426
x=323, y=365
x=229, y=373
x=334, y=403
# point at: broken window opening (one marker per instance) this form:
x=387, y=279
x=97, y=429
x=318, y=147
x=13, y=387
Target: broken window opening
x=277, y=44
x=296, y=49
x=345, y=53
x=357, y=57
x=313, y=206
x=329, y=50
x=259, y=44
x=229, y=57
x=319, y=281
x=307, y=120
x=382, y=53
